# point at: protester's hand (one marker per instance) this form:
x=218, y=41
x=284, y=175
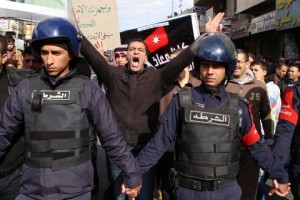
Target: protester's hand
x=100, y=47
x=279, y=189
x=131, y=192
x=213, y=25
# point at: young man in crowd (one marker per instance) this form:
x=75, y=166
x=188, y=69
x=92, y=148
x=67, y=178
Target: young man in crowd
x=280, y=73
x=120, y=55
x=293, y=74
x=29, y=62
x=259, y=68
x=245, y=85
x=13, y=52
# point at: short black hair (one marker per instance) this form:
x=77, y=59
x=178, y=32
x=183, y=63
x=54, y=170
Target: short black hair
x=262, y=64
x=138, y=40
x=10, y=38
x=295, y=64
x=27, y=50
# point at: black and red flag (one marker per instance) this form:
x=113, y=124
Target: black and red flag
x=164, y=37
x=157, y=39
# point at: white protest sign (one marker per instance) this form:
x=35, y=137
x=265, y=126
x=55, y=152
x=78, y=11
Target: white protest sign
x=98, y=20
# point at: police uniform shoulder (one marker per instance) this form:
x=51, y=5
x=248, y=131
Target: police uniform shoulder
x=175, y=93
x=83, y=77
x=33, y=75
x=184, y=91
x=30, y=74
x=243, y=100
x=90, y=83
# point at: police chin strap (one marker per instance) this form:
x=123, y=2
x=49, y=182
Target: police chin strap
x=217, y=89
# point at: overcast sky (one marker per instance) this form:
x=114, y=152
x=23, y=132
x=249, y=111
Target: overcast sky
x=136, y=13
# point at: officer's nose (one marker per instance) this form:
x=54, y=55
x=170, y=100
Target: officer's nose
x=210, y=69
x=49, y=59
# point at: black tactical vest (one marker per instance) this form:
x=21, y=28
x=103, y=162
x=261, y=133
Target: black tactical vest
x=57, y=127
x=206, y=146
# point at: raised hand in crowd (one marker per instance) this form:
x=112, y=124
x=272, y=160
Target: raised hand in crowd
x=214, y=25
x=100, y=47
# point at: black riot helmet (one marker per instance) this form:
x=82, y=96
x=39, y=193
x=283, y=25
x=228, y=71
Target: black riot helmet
x=215, y=47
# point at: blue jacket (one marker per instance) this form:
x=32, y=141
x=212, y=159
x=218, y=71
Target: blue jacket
x=170, y=121
x=42, y=183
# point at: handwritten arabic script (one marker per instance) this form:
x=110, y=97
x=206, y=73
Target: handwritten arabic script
x=93, y=10
x=98, y=21
x=99, y=36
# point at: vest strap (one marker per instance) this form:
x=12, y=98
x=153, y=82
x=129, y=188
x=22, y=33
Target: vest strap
x=208, y=148
x=47, y=135
x=57, y=144
x=207, y=171
x=185, y=97
x=59, y=164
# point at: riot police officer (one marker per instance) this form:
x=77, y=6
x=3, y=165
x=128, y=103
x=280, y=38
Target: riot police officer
x=57, y=108
x=209, y=124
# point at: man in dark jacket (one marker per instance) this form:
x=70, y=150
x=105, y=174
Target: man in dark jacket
x=293, y=75
x=134, y=91
x=57, y=108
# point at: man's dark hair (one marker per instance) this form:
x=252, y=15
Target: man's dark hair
x=295, y=64
x=27, y=50
x=10, y=38
x=138, y=40
x=3, y=45
x=278, y=66
x=242, y=51
x=261, y=63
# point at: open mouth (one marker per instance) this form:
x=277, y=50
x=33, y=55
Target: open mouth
x=135, y=61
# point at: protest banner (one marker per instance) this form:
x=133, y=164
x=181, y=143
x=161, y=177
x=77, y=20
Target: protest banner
x=164, y=37
x=98, y=20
